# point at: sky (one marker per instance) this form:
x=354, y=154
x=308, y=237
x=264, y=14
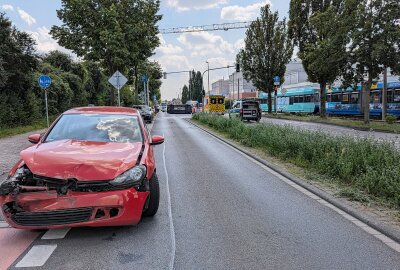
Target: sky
x=177, y=52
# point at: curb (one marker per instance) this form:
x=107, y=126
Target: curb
x=367, y=219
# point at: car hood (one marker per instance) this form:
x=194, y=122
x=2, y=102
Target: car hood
x=82, y=160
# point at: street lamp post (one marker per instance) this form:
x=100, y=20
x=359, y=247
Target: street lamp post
x=208, y=74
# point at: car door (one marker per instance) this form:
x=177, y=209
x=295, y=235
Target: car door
x=235, y=111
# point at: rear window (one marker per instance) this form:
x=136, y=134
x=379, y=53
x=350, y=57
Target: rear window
x=97, y=128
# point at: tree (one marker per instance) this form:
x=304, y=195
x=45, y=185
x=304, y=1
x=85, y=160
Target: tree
x=154, y=73
x=18, y=60
x=195, y=89
x=268, y=49
x=119, y=34
x=185, y=94
x=374, y=42
x=320, y=34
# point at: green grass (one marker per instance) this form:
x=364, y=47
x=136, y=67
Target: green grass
x=356, y=124
x=7, y=132
x=365, y=165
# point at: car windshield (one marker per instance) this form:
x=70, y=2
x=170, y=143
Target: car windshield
x=97, y=128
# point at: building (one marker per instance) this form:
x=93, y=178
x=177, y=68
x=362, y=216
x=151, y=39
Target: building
x=295, y=73
x=238, y=84
x=220, y=87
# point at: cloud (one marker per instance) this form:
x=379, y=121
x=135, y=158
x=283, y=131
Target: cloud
x=205, y=44
x=165, y=48
x=7, y=7
x=239, y=13
x=45, y=42
x=185, y=5
x=239, y=44
x=26, y=17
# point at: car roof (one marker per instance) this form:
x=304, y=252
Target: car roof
x=103, y=110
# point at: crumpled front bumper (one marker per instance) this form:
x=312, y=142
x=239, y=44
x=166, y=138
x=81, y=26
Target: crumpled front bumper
x=47, y=209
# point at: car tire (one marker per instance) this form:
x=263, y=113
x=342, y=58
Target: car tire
x=154, y=197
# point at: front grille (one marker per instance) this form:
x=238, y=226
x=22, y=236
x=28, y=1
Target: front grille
x=57, y=217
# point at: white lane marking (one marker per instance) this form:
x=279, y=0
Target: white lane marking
x=386, y=240
x=56, y=233
x=37, y=256
x=4, y=224
x=171, y=221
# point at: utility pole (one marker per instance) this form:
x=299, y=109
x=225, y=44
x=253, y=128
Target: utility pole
x=208, y=82
x=384, y=94
x=238, y=88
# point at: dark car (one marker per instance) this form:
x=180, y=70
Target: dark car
x=246, y=110
x=95, y=166
x=145, y=112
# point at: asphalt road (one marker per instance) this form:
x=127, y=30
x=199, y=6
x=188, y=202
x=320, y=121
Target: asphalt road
x=220, y=210
x=337, y=130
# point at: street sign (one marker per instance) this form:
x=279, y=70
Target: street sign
x=277, y=80
x=154, y=98
x=283, y=91
x=144, y=78
x=44, y=81
x=118, y=81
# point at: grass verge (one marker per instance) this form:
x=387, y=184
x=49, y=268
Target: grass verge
x=362, y=165
x=7, y=132
x=356, y=124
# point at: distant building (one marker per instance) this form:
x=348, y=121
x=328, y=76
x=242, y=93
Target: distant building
x=295, y=73
x=220, y=87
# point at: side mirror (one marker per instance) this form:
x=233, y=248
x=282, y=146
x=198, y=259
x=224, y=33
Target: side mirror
x=156, y=140
x=34, y=138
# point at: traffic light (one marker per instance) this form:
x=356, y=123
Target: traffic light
x=237, y=67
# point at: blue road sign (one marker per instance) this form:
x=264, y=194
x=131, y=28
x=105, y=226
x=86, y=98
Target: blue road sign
x=143, y=78
x=277, y=79
x=44, y=81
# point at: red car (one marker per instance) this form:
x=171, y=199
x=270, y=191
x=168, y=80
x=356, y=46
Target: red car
x=93, y=167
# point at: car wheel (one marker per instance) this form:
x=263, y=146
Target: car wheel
x=154, y=197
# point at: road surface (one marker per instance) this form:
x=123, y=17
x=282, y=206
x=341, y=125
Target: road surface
x=336, y=130
x=218, y=210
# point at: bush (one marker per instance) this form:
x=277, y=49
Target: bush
x=370, y=166
x=390, y=119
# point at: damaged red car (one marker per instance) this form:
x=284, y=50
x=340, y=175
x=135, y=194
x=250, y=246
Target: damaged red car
x=94, y=166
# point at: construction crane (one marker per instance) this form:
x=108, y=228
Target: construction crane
x=204, y=28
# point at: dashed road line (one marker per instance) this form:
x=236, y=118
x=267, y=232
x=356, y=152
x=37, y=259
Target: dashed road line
x=37, y=256
x=56, y=233
x=378, y=235
x=171, y=221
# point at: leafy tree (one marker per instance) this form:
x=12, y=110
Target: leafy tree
x=320, y=33
x=119, y=34
x=267, y=51
x=59, y=60
x=18, y=60
x=185, y=94
x=154, y=73
x=195, y=88
x=374, y=42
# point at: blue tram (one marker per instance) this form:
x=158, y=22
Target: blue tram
x=339, y=101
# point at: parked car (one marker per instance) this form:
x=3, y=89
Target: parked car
x=94, y=166
x=145, y=112
x=246, y=110
x=164, y=107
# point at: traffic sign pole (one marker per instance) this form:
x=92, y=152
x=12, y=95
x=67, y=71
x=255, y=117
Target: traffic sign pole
x=47, y=108
x=44, y=83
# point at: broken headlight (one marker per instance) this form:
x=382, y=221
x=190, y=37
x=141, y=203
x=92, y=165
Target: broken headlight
x=10, y=184
x=131, y=177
